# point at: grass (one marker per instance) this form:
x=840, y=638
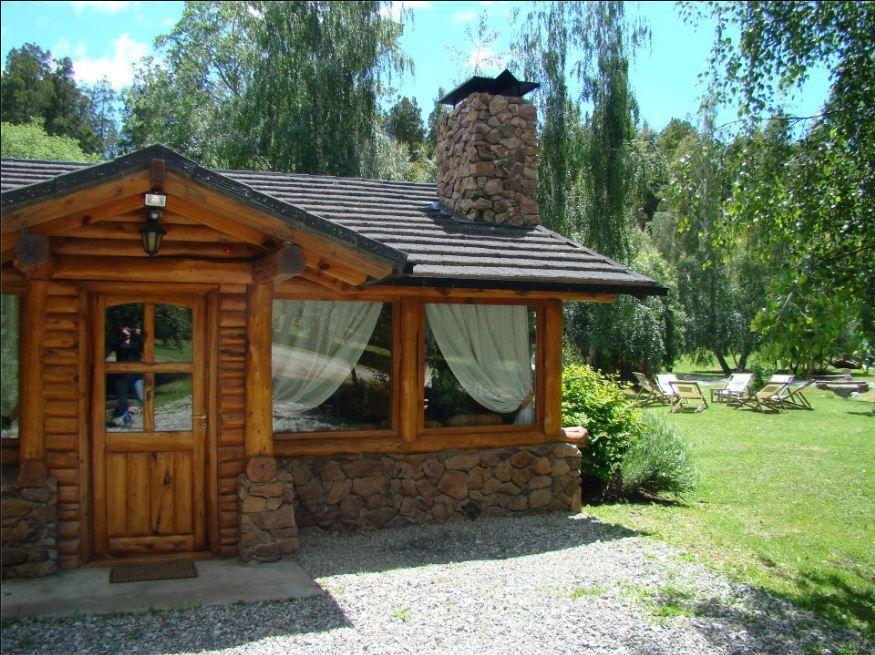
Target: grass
x=402, y=615
x=581, y=592
x=786, y=503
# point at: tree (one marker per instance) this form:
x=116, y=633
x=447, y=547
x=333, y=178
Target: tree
x=404, y=123
x=819, y=219
x=437, y=112
x=35, y=86
x=31, y=141
x=102, y=100
x=287, y=86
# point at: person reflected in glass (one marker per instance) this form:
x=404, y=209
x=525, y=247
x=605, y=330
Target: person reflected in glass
x=128, y=348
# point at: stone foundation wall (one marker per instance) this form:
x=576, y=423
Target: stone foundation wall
x=487, y=158
x=267, y=519
x=368, y=491
x=29, y=528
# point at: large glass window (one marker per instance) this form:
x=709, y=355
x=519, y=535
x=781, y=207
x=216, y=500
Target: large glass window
x=479, y=365
x=9, y=365
x=332, y=366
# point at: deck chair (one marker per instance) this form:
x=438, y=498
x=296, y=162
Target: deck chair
x=781, y=378
x=769, y=398
x=649, y=393
x=663, y=383
x=736, y=387
x=687, y=392
x=794, y=398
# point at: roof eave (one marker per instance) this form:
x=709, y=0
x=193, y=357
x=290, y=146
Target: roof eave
x=639, y=290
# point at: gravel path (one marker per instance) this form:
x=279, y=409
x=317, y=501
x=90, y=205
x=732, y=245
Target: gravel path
x=537, y=584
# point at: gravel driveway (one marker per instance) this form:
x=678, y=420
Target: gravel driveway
x=537, y=584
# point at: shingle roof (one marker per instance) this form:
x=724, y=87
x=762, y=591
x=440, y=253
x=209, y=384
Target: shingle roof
x=440, y=248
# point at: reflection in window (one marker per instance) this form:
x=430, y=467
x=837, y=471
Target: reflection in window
x=479, y=365
x=124, y=402
x=173, y=404
x=172, y=333
x=123, y=332
x=332, y=366
x=9, y=365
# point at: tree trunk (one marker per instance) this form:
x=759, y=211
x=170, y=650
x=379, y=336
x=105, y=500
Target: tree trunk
x=724, y=366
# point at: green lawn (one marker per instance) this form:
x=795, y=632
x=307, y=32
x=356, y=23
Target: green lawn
x=786, y=503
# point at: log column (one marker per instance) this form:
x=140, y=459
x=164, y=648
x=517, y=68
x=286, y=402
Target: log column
x=31, y=439
x=552, y=342
x=258, y=438
x=265, y=495
x=410, y=386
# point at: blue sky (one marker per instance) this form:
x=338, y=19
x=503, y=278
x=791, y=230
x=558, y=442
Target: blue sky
x=104, y=39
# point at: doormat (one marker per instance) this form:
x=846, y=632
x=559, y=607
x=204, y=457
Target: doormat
x=157, y=571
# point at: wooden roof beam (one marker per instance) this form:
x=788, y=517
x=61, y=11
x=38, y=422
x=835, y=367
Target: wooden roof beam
x=278, y=266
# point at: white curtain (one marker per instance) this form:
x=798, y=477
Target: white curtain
x=315, y=346
x=487, y=349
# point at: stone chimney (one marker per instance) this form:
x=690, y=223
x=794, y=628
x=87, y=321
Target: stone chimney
x=487, y=152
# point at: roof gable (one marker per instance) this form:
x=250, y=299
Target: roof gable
x=16, y=202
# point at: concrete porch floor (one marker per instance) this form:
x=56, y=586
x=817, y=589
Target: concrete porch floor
x=219, y=581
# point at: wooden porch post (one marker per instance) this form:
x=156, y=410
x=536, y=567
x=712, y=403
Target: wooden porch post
x=32, y=442
x=410, y=386
x=258, y=437
x=553, y=367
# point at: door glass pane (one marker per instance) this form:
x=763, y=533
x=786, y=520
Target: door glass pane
x=124, y=333
x=172, y=333
x=9, y=365
x=124, y=402
x=173, y=402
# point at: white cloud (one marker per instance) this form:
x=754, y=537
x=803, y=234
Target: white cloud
x=393, y=9
x=485, y=60
x=168, y=22
x=464, y=16
x=109, y=6
x=118, y=67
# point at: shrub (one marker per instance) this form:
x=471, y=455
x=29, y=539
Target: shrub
x=761, y=374
x=597, y=402
x=657, y=462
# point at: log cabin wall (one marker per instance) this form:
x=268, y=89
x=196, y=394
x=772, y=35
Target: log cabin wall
x=65, y=394
x=231, y=410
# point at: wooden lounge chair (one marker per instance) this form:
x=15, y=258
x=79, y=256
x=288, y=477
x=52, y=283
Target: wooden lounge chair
x=769, y=398
x=736, y=387
x=648, y=393
x=687, y=392
x=794, y=398
x=781, y=378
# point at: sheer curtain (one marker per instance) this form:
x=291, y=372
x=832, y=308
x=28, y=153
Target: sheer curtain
x=487, y=349
x=315, y=346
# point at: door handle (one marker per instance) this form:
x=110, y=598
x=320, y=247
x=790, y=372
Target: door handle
x=203, y=420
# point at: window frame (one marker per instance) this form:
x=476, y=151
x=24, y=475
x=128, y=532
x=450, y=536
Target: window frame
x=9, y=446
x=538, y=425
x=393, y=431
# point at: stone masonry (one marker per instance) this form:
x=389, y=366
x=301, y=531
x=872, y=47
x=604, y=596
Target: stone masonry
x=29, y=527
x=488, y=160
x=368, y=491
x=267, y=519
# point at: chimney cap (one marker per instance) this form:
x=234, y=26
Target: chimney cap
x=503, y=85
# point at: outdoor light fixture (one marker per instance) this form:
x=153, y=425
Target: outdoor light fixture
x=152, y=232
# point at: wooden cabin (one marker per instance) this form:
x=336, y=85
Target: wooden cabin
x=199, y=362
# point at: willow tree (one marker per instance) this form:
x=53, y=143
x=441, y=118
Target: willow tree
x=281, y=85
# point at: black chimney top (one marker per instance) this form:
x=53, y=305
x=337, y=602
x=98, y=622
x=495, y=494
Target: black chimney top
x=503, y=85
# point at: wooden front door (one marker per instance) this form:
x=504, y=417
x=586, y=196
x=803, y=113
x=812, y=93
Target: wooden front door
x=148, y=424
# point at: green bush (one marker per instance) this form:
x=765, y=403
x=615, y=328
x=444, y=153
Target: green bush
x=657, y=462
x=761, y=374
x=597, y=402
